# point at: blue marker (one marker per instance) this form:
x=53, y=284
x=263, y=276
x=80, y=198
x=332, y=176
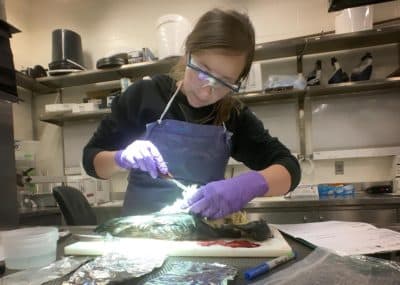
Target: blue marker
x=267, y=266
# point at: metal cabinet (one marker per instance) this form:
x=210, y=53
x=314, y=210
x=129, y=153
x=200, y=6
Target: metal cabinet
x=41, y=219
x=284, y=216
x=104, y=214
x=377, y=215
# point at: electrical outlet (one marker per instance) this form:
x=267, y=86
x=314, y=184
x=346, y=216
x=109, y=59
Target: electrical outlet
x=339, y=167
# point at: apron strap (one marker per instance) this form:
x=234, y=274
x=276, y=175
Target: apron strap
x=170, y=102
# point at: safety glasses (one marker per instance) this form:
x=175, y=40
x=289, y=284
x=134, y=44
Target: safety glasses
x=213, y=81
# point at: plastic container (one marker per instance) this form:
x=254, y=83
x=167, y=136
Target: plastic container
x=326, y=190
x=85, y=107
x=25, y=154
x=339, y=190
x=30, y=247
x=348, y=189
x=172, y=31
x=354, y=19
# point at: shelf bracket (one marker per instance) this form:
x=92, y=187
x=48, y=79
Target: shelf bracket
x=302, y=126
x=299, y=63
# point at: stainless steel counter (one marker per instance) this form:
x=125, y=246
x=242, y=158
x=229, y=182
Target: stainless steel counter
x=266, y=202
x=358, y=199
x=381, y=210
x=241, y=264
x=354, y=200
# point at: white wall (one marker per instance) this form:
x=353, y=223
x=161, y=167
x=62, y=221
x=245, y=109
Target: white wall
x=109, y=25
x=104, y=25
x=22, y=116
x=18, y=14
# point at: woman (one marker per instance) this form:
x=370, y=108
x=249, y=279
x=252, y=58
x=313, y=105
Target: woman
x=190, y=126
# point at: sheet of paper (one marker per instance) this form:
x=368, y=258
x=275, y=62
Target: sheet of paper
x=345, y=238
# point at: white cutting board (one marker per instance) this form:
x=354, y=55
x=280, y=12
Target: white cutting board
x=276, y=246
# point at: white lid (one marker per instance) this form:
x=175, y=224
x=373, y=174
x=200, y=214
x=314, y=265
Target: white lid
x=29, y=234
x=171, y=18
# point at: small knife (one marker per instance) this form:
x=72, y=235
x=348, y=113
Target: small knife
x=169, y=177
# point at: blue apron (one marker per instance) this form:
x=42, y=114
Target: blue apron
x=194, y=153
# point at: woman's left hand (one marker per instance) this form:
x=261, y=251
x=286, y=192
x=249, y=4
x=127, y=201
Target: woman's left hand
x=220, y=198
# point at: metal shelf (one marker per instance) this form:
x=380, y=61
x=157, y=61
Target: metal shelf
x=136, y=70
x=60, y=118
x=327, y=43
x=262, y=96
x=315, y=91
x=8, y=97
x=254, y=97
x=264, y=51
x=353, y=87
x=356, y=153
x=31, y=84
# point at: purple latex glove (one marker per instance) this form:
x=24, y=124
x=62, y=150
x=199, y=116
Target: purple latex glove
x=220, y=198
x=143, y=155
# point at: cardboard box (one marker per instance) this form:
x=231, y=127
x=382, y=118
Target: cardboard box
x=58, y=107
x=85, y=107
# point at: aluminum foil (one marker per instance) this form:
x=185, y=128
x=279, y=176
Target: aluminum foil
x=37, y=276
x=115, y=267
x=195, y=273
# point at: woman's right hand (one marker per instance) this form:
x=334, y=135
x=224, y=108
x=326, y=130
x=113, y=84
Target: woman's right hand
x=143, y=155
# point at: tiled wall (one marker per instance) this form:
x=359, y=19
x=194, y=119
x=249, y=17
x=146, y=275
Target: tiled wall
x=106, y=26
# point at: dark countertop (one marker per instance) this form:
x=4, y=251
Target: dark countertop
x=241, y=264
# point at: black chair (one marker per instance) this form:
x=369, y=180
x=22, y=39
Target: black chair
x=74, y=206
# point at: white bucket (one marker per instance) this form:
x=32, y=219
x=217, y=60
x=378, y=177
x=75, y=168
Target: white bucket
x=354, y=19
x=172, y=31
x=30, y=247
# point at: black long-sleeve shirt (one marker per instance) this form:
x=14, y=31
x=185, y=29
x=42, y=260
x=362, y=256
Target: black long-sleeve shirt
x=144, y=101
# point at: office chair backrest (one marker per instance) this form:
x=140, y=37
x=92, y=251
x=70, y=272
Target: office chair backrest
x=74, y=206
